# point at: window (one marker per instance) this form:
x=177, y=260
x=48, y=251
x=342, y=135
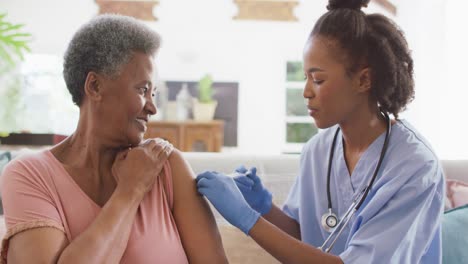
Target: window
x=37, y=98
x=299, y=125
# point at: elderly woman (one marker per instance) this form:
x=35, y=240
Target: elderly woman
x=105, y=195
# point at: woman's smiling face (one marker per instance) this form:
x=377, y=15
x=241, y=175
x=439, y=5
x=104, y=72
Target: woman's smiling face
x=128, y=101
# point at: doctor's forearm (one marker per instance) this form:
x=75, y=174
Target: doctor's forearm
x=287, y=249
x=278, y=218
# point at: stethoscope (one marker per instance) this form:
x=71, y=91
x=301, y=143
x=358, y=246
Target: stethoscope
x=330, y=221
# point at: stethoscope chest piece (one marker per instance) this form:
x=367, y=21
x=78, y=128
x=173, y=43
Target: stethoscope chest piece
x=329, y=221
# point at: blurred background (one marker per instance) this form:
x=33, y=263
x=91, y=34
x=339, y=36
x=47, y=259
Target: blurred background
x=252, y=50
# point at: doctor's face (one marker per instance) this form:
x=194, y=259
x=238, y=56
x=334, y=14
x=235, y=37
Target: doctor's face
x=331, y=93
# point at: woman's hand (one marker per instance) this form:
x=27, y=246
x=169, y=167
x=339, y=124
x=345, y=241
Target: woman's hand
x=137, y=168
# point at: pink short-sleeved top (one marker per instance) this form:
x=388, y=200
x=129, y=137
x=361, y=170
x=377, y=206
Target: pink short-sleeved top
x=37, y=191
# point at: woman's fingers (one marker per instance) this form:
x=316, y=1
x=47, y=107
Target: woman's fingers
x=159, y=147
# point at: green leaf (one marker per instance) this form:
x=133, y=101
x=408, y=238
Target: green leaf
x=10, y=27
x=13, y=41
x=4, y=54
x=205, y=89
x=19, y=35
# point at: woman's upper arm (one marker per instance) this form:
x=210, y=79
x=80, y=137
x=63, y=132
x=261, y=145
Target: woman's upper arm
x=38, y=245
x=35, y=233
x=195, y=221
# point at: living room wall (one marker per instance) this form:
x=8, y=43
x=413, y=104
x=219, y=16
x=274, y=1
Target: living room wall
x=201, y=37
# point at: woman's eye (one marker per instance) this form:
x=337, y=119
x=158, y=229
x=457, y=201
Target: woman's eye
x=318, y=82
x=143, y=90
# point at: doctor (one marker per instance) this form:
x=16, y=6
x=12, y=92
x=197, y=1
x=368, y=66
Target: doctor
x=370, y=188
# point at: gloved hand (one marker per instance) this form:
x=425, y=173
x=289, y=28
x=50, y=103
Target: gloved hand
x=258, y=197
x=222, y=192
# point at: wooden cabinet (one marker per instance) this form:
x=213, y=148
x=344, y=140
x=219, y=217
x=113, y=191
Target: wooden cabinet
x=189, y=135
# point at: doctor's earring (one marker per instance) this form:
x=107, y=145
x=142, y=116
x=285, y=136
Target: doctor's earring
x=329, y=221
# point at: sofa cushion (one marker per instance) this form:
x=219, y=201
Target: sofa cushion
x=5, y=157
x=456, y=169
x=454, y=239
x=457, y=193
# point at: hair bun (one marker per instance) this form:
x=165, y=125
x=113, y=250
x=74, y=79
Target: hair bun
x=351, y=4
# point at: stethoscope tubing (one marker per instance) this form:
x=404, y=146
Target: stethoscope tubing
x=359, y=200
x=342, y=224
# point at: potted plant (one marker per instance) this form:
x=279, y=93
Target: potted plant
x=204, y=106
x=13, y=45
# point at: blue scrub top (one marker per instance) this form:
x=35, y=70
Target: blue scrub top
x=400, y=220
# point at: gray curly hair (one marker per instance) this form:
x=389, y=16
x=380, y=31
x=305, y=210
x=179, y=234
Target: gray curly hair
x=104, y=45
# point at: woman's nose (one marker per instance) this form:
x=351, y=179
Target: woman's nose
x=308, y=91
x=151, y=106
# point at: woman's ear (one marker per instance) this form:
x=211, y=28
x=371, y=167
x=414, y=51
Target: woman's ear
x=92, y=87
x=364, y=80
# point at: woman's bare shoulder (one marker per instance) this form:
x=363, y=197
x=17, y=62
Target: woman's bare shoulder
x=179, y=165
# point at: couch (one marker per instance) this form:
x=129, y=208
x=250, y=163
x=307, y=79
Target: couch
x=277, y=173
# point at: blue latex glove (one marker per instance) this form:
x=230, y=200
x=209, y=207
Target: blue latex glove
x=222, y=192
x=258, y=197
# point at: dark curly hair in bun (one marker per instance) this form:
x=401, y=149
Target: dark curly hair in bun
x=351, y=4
x=372, y=41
